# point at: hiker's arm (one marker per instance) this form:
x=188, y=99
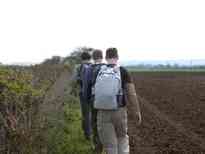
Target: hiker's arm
x=133, y=100
x=132, y=96
x=130, y=93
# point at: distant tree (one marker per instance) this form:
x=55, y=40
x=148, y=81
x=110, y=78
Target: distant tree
x=176, y=66
x=159, y=66
x=53, y=60
x=74, y=57
x=168, y=65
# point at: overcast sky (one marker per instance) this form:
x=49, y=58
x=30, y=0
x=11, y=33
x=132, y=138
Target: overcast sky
x=32, y=30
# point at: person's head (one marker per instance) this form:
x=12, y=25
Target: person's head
x=85, y=57
x=112, y=56
x=97, y=56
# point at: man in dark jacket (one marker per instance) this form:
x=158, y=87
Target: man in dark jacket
x=84, y=80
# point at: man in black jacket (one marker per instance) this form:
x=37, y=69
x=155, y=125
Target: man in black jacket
x=83, y=78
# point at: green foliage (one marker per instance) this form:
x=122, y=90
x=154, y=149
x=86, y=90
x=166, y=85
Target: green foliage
x=18, y=104
x=25, y=130
x=45, y=75
x=65, y=135
x=17, y=82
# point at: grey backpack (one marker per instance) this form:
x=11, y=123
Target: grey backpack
x=108, y=88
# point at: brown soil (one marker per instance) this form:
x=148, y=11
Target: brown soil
x=173, y=110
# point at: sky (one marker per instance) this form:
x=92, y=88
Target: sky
x=33, y=30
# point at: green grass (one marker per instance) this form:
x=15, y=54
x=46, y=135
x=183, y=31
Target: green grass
x=66, y=137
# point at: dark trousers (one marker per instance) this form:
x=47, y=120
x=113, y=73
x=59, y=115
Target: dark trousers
x=86, y=117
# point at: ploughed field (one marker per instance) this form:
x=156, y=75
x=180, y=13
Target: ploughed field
x=173, y=112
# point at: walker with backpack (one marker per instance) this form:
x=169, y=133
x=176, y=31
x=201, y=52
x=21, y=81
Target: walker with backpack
x=107, y=89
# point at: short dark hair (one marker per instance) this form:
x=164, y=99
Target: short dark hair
x=97, y=54
x=111, y=53
x=85, y=56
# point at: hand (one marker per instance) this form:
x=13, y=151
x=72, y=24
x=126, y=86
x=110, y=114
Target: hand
x=139, y=117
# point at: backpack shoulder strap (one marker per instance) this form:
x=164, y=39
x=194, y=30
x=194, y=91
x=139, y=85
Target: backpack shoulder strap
x=95, y=71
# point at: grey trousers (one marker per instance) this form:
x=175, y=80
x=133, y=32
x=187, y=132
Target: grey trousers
x=112, y=129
